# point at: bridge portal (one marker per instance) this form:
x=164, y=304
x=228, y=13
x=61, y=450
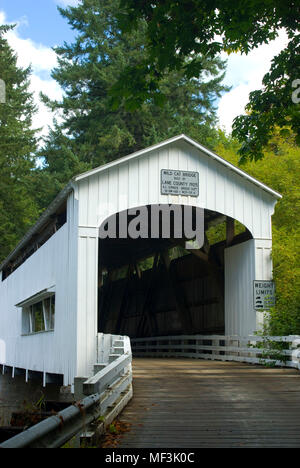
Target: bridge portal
x=65, y=282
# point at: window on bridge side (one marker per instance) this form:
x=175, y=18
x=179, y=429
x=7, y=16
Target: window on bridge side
x=39, y=317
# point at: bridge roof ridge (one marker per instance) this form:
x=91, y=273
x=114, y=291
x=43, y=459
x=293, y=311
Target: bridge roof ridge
x=168, y=142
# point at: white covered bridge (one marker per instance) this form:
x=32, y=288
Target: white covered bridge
x=81, y=280
x=62, y=285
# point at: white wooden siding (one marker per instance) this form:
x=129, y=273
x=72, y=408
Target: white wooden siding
x=245, y=263
x=53, y=264
x=69, y=259
x=135, y=182
x=240, y=316
x=87, y=302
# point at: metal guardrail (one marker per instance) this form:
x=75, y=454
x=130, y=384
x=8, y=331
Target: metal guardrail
x=99, y=382
x=224, y=348
x=55, y=431
x=107, y=392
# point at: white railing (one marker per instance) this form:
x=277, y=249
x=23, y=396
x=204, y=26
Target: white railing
x=112, y=378
x=104, y=395
x=115, y=370
x=277, y=350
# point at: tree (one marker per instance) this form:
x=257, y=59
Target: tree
x=96, y=129
x=60, y=162
x=273, y=106
x=17, y=145
x=280, y=170
x=179, y=30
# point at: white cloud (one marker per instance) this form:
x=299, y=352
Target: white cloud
x=66, y=3
x=245, y=74
x=44, y=117
x=2, y=17
x=40, y=57
x=42, y=60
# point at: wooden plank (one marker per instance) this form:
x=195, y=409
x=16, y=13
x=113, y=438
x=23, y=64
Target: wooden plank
x=211, y=404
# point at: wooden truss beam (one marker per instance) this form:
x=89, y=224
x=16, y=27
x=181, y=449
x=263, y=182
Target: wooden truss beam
x=125, y=300
x=229, y=231
x=179, y=295
x=147, y=316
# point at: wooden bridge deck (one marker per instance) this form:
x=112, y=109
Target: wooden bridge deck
x=185, y=403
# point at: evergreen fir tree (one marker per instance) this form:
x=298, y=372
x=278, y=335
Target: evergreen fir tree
x=94, y=130
x=18, y=209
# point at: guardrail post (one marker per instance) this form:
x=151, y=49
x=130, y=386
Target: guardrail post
x=78, y=388
x=296, y=351
x=198, y=344
x=215, y=343
x=245, y=345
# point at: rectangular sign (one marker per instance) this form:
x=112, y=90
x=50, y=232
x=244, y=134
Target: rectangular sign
x=264, y=294
x=185, y=183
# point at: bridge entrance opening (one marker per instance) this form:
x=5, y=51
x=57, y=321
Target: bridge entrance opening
x=161, y=286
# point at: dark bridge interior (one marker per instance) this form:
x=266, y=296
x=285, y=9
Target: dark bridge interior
x=155, y=287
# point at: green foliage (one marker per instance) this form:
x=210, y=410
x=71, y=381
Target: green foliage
x=285, y=317
x=178, y=31
x=40, y=404
x=272, y=106
x=280, y=169
x=59, y=162
x=216, y=233
x=96, y=126
x=113, y=429
x=17, y=145
x=272, y=351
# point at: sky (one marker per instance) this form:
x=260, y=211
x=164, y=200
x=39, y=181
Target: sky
x=40, y=27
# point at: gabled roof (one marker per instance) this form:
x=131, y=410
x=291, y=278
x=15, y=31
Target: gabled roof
x=170, y=141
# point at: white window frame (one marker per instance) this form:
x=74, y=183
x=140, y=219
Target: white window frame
x=28, y=322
